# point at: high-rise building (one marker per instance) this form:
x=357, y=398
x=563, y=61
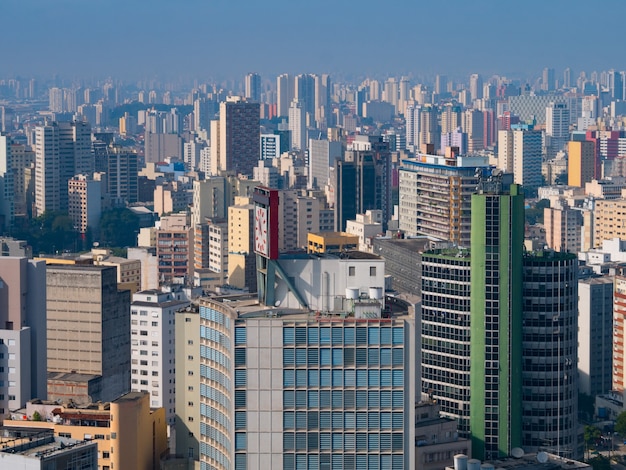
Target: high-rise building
x=429, y=130
x=22, y=331
x=153, y=347
x=323, y=91
x=474, y=127
x=595, y=335
x=253, y=87
x=284, y=94
x=445, y=363
x=304, y=92
x=563, y=228
x=475, y=87
x=435, y=193
x=239, y=136
x=523, y=329
x=616, y=85
x=581, y=163
x=412, y=117
x=297, y=125
x=62, y=150
x=557, y=127
x=305, y=392
x=547, y=81
x=549, y=404
x=362, y=181
x=322, y=155
x=527, y=156
x=241, y=258
x=7, y=182
x=270, y=146
x=496, y=319
x=87, y=327
x=84, y=202
x=174, y=241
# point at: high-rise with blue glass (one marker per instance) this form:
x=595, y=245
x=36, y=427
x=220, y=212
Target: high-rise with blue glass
x=283, y=389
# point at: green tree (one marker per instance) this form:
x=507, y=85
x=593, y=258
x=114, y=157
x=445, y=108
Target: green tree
x=620, y=424
x=534, y=214
x=591, y=435
x=36, y=416
x=118, y=228
x=600, y=463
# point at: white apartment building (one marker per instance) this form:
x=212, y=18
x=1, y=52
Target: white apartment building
x=153, y=347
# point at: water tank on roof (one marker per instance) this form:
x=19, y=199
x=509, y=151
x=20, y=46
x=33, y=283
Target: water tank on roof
x=473, y=464
x=460, y=462
x=352, y=293
x=376, y=293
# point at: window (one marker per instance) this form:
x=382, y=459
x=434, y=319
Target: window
x=113, y=435
x=106, y=455
x=372, y=270
x=351, y=270
x=65, y=434
x=11, y=356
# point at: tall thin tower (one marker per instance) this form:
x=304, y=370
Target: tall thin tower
x=496, y=319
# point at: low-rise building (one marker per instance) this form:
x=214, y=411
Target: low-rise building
x=128, y=434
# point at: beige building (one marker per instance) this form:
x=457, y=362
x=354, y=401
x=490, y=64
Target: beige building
x=563, y=228
x=241, y=257
x=605, y=189
x=175, y=248
x=188, y=383
x=130, y=436
x=331, y=242
x=84, y=200
x=128, y=270
x=88, y=326
x=609, y=220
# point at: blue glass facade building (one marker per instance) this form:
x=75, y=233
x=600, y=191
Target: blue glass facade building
x=294, y=391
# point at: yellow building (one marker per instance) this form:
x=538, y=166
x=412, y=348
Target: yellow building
x=331, y=242
x=129, y=434
x=581, y=163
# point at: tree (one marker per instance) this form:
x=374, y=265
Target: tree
x=36, y=416
x=118, y=228
x=600, y=463
x=620, y=424
x=591, y=435
x=535, y=214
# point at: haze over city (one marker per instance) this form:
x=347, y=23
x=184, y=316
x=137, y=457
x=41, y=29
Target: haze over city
x=225, y=39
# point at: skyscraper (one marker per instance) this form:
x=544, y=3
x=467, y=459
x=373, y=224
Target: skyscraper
x=445, y=332
x=297, y=125
x=62, y=150
x=284, y=94
x=7, y=182
x=557, y=127
x=550, y=354
x=362, y=181
x=496, y=319
x=239, y=136
x=520, y=150
x=253, y=87
x=547, y=81
x=476, y=87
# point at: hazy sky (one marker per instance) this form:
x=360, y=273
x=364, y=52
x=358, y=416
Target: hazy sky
x=226, y=38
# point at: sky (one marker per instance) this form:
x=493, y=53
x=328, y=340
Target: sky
x=225, y=39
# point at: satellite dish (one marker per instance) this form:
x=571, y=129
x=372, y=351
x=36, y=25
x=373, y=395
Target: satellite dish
x=277, y=303
x=542, y=457
x=517, y=452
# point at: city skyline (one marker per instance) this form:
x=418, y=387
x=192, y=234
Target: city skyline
x=129, y=41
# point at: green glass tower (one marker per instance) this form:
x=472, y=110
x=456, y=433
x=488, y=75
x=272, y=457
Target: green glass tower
x=497, y=247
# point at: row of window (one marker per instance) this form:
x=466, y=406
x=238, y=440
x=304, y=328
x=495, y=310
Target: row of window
x=337, y=378
x=338, y=399
x=312, y=420
x=341, y=461
x=370, y=442
x=370, y=335
x=343, y=357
